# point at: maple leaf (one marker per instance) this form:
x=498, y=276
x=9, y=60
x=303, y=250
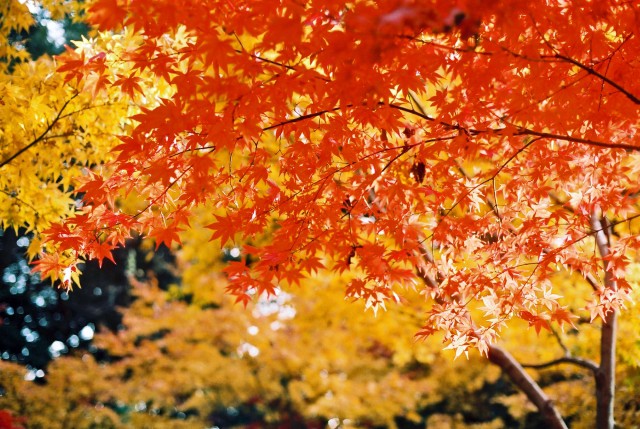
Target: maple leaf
x=108, y=14
x=224, y=228
x=64, y=235
x=166, y=235
x=311, y=265
x=48, y=265
x=537, y=321
x=129, y=84
x=72, y=65
x=102, y=251
x=562, y=316
x=96, y=83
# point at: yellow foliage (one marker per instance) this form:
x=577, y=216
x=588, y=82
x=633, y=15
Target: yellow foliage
x=51, y=132
x=311, y=354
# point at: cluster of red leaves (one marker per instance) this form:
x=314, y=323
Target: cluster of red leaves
x=532, y=134
x=9, y=421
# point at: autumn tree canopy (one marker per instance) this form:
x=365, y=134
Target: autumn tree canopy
x=473, y=151
x=479, y=147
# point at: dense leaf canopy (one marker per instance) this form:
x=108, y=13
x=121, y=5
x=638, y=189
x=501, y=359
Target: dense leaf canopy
x=481, y=155
x=475, y=147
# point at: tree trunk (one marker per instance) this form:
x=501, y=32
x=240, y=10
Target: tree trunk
x=528, y=385
x=605, y=377
x=606, y=374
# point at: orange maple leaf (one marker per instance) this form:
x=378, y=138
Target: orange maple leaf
x=108, y=14
x=224, y=228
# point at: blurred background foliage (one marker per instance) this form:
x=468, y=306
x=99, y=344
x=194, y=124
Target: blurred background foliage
x=172, y=350
x=154, y=342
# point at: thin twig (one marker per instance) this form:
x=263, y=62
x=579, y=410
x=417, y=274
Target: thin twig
x=583, y=363
x=41, y=136
x=300, y=118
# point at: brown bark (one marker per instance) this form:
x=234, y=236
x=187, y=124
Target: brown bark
x=528, y=385
x=605, y=376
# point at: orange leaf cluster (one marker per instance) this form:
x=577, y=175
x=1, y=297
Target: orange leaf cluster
x=461, y=143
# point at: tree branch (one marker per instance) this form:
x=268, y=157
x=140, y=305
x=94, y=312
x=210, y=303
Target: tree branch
x=517, y=374
x=561, y=343
x=588, y=142
x=519, y=131
x=600, y=76
x=41, y=136
x=300, y=118
x=18, y=199
x=583, y=363
x=428, y=259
